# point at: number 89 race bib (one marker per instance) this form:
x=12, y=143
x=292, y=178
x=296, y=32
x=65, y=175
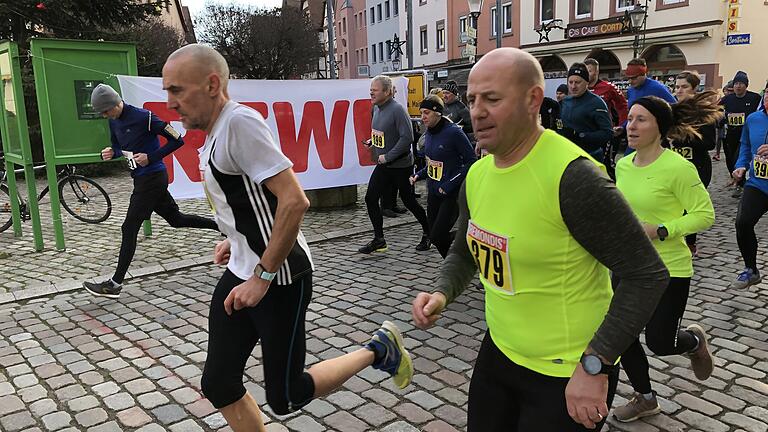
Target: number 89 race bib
x=491, y=253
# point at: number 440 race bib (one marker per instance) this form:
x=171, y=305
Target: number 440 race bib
x=491, y=253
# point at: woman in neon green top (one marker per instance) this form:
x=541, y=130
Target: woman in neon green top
x=665, y=192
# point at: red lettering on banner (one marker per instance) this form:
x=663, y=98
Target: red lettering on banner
x=187, y=155
x=330, y=146
x=261, y=107
x=361, y=116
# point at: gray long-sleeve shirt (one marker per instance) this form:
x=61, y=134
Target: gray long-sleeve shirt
x=391, y=122
x=596, y=215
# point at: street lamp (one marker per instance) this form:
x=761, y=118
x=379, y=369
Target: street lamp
x=636, y=18
x=475, y=7
x=396, y=64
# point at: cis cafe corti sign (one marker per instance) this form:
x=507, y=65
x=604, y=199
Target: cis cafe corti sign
x=595, y=28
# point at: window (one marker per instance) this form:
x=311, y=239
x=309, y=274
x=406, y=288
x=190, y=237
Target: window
x=378, y=12
x=493, y=21
x=386, y=9
x=462, y=24
x=389, y=50
x=373, y=50
x=440, y=36
x=373, y=16
x=381, y=51
x=583, y=8
x=506, y=16
x=357, y=22
x=364, y=21
x=346, y=60
x=622, y=5
x=547, y=10
x=395, y=7
x=671, y=2
x=423, y=40
x=344, y=24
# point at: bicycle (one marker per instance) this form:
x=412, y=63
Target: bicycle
x=80, y=196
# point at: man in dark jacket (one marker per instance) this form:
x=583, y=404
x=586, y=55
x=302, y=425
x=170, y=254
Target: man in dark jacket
x=455, y=109
x=585, y=116
x=134, y=133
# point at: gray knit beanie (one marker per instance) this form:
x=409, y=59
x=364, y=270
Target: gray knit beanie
x=104, y=98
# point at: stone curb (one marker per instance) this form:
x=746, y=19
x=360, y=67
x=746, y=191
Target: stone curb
x=45, y=289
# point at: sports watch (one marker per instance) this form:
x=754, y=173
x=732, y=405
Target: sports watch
x=261, y=273
x=594, y=366
x=662, y=232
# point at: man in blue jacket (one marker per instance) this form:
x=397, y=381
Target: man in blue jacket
x=753, y=158
x=134, y=132
x=584, y=115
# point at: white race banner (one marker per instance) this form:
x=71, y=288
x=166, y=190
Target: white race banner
x=318, y=124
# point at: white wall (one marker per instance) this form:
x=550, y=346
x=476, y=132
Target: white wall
x=429, y=14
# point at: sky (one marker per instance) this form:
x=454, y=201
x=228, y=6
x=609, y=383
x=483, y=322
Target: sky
x=197, y=6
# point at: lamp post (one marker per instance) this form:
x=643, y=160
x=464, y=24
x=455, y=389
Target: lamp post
x=636, y=17
x=475, y=7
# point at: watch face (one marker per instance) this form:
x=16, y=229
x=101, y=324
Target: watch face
x=592, y=364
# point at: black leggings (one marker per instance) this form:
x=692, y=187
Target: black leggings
x=278, y=322
x=753, y=205
x=150, y=193
x=662, y=335
x=381, y=179
x=506, y=397
x=442, y=212
x=731, y=150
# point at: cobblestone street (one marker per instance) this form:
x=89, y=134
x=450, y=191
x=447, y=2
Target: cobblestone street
x=70, y=362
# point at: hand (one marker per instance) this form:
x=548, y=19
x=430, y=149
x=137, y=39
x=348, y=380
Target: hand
x=585, y=397
x=221, y=252
x=141, y=159
x=762, y=150
x=366, y=143
x=382, y=159
x=617, y=131
x=413, y=179
x=738, y=173
x=247, y=294
x=442, y=192
x=426, y=309
x=107, y=153
x=651, y=230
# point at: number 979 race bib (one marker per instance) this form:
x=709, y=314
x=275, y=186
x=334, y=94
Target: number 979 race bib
x=491, y=253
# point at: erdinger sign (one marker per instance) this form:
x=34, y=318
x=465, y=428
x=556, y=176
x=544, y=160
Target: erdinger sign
x=596, y=28
x=319, y=126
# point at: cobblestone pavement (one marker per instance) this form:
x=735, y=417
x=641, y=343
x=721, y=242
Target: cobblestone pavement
x=69, y=362
x=91, y=250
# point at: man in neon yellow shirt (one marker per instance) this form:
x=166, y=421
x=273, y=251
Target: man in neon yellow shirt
x=543, y=224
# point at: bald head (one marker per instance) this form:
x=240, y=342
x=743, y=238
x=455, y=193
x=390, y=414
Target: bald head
x=517, y=66
x=202, y=59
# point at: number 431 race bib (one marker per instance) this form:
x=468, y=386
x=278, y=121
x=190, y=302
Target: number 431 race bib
x=491, y=253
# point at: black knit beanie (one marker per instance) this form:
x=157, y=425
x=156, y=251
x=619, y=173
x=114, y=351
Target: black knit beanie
x=661, y=110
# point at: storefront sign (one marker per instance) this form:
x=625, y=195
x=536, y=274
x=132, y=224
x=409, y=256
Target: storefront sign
x=734, y=12
x=739, y=39
x=596, y=28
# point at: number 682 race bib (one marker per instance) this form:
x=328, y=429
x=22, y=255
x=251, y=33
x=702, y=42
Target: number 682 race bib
x=491, y=253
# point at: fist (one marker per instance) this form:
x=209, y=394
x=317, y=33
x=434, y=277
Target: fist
x=107, y=153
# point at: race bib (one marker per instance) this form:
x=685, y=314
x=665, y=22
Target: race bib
x=377, y=138
x=491, y=253
x=686, y=152
x=736, y=119
x=434, y=169
x=761, y=167
x=131, y=161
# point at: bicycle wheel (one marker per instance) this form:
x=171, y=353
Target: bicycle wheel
x=6, y=219
x=84, y=199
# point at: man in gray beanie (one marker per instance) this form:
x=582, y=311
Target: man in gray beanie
x=455, y=109
x=134, y=132
x=738, y=106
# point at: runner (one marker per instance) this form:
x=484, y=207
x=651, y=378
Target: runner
x=696, y=148
x=561, y=93
x=391, y=140
x=661, y=187
x=585, y=117
x=134, y=133
x=753, y=157
x=449, y=156
x=264, y=293
x=543, y=224
x=738, y=106
x=722, y=127
x=455, y=109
